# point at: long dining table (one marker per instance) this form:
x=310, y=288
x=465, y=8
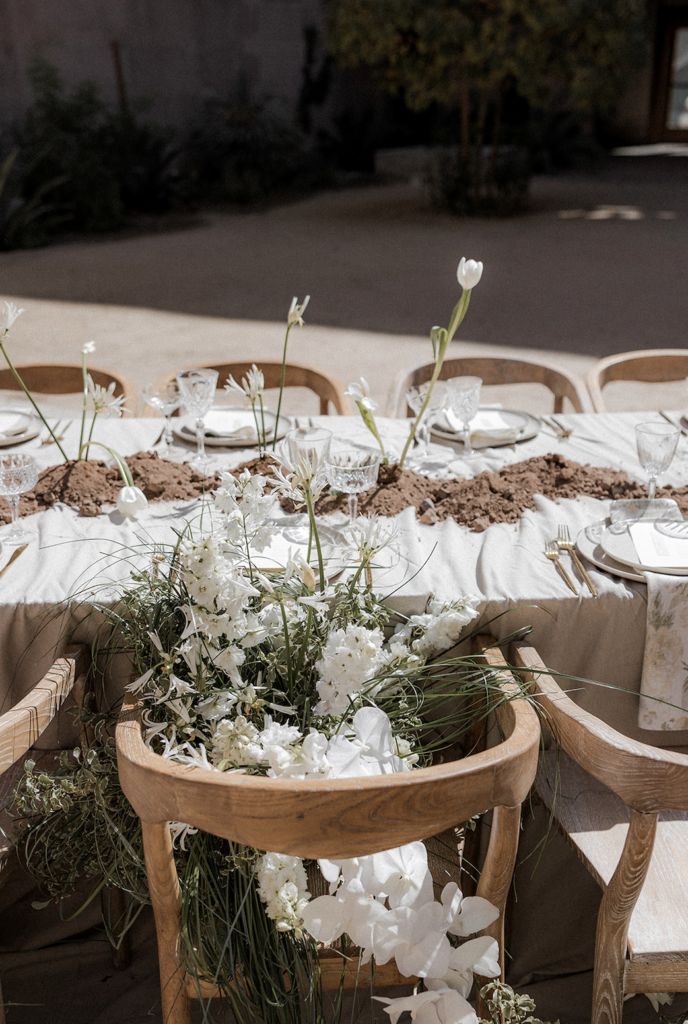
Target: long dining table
x=47, y=598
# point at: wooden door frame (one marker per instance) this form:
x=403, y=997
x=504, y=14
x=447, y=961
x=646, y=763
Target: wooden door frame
x=668, y=20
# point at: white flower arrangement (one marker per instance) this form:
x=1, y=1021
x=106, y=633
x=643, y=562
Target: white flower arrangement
x=276, y=676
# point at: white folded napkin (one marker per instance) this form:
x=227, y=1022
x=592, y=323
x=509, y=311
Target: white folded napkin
x=666, y=654
x=231, y=424
x=486, y=426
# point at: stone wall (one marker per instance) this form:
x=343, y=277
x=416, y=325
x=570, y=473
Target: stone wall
x=176, y=53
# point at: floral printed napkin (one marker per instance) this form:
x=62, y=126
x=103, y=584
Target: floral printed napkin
x=665, y=663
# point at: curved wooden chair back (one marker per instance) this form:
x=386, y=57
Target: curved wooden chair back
x=66, y=379
x=493, y=370
x=24, y=723
x=297, y=375
x=320, y=819
x=648, y=780
x=655, y=366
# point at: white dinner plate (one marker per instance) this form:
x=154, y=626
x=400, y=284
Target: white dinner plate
x=291, y=535
x=621, y=548
x=527, y=427
x=17, y=427
x=230, y=428
x=588, y=544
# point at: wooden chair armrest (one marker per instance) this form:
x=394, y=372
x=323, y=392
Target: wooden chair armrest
x=21, y=726
x=647, y=778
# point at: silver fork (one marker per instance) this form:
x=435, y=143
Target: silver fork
x=49, y=438
x=552, y=552
x=565, y=543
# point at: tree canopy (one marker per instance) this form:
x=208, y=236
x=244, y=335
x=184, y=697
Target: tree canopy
x=429, y=50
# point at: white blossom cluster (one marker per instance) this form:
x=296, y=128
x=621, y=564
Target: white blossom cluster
x=283, y=887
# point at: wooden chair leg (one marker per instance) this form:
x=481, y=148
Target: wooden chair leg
x=614, y=918
x=498, y=869
x=497, y=873
x=166, y=899
x=558, y=403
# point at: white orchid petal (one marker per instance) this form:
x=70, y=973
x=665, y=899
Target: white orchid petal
x=475, y=914
x=325, y=918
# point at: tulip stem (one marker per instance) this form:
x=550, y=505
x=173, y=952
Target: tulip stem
x=26, y=391
x=284, y=370
x=458, y=313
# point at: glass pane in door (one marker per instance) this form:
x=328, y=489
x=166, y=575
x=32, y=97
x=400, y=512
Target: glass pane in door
x=677, y=110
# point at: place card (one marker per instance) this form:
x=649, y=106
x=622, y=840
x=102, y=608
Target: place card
x=656, y=549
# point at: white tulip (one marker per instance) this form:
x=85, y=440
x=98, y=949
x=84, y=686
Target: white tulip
x=361, y=394
x=131, y=501
x=88, y=348
x=8, y=316
x=469, y=273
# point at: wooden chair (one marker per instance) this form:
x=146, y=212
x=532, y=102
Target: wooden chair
x=657, y=366
x=22, y=725
x=493, y=370
x=313, y=819
x=66, y=379
x=622, y=806
x=297, y=375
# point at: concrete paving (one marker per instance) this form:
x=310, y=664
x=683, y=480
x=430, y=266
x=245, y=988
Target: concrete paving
x=596, y=265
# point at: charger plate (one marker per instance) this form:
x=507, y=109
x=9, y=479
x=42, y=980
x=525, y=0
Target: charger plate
x=588, y=545
x=527, y=426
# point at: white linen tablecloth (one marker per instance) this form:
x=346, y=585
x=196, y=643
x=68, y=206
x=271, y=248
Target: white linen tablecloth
x=505, y=566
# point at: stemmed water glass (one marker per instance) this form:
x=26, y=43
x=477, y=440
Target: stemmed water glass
x=197, y=389
x=464, y=401
x=352, y=471
x=415, y=396
x=656, y=448
x=18, y=474
x=165, y=398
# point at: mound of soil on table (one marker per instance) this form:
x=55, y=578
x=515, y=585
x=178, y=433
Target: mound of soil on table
x=498, y=497
x=90, y=485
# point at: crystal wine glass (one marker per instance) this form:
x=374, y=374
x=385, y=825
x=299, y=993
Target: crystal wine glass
x=464, y=401
x=656, y=448
x=165, y=398
x=415, y=397
x=18, y=474
x=197, y=389
x=352, y=471
x=311, y=445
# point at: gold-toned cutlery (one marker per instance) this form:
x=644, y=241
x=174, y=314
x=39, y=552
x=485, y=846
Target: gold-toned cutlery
x=564, y=543
x=13, y=558
x=50, y=439
x=678, y=425
x=552, y=552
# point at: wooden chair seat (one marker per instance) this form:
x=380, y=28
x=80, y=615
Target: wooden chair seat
x=595, y=821
x=328, y=388
x=657, y=366
x=493, y=370
x=340, y=818
x=623, y=806
x=67, y=379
